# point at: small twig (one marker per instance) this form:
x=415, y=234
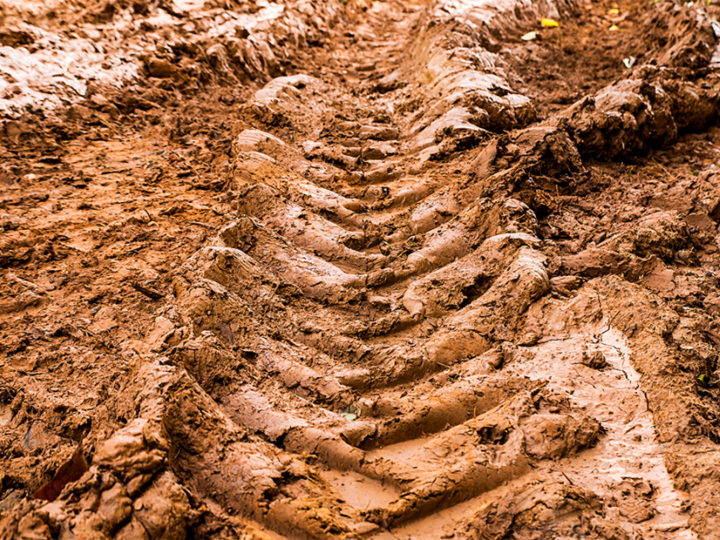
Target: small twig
x=201, y=224
x=609, y=323
x=23, y=282
x=150, y=293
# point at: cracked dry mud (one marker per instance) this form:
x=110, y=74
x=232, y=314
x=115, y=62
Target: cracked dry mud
x=374, y=270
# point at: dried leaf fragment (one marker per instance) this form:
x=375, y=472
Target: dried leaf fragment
x=70, y=471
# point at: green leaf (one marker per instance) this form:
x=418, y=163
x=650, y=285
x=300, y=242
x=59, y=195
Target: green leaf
x=351, y=413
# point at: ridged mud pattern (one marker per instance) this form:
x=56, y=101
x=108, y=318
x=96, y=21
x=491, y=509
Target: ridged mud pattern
x=450, y=284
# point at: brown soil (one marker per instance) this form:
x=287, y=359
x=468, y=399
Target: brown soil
x=380, y=270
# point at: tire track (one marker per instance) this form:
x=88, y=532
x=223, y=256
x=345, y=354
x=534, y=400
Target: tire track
x=391, y=337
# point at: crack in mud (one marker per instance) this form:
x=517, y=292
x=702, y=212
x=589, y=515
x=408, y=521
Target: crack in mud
x=617, y=457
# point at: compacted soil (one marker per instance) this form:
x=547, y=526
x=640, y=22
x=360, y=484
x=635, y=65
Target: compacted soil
x=359, y=269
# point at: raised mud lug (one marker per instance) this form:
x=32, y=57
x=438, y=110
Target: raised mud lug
x=133, y=450
x=541, y=502
x=495, y=447
x=459, y=283
x=162, y=510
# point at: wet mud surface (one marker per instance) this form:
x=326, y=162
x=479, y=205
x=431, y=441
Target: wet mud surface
x=384, y=270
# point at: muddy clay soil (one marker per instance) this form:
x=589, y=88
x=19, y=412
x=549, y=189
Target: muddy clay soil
x=366, y=269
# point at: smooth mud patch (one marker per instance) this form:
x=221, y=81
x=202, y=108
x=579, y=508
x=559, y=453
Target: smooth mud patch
x=613, y=394
x=360, y=491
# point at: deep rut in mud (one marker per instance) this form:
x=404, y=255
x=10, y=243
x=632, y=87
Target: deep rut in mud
x=364, y=269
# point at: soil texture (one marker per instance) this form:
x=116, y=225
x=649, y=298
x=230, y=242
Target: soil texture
x=359, y=269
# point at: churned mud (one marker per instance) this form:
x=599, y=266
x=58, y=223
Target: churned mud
x=365, y=269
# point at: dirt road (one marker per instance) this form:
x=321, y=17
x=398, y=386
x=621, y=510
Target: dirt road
x=383, y=270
